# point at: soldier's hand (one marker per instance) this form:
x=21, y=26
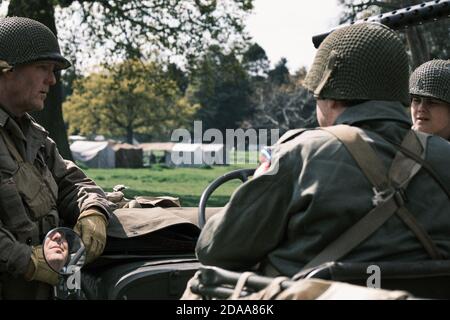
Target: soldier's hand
x=91, y=227
x=39, y=270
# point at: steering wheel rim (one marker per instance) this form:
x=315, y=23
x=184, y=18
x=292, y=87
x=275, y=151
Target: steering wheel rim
x=241, y=174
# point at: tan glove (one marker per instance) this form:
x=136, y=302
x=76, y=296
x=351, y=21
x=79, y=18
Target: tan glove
x=39, y=270
x=91, y=227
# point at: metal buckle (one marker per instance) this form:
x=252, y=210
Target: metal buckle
x=381, y=196
x=384, y=195
x=400, y=197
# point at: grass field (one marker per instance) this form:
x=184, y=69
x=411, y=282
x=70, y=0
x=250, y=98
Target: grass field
x=184, y=183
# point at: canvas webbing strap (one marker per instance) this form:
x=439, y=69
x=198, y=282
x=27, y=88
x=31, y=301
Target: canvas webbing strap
x=422, y=162
x=375, y=171
x=401, y=172
x=363, y=153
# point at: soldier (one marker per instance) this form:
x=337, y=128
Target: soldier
x=56, y=250
x=429, y=87
x=328, y=195
x=39, y=190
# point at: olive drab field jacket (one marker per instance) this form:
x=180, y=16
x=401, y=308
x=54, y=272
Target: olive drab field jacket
x=314, y=191
x=39, y=190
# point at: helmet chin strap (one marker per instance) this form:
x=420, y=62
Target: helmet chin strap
x=327, y=73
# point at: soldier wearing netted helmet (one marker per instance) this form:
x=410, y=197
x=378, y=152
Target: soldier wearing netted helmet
x=429, y=87
x=342, y=191
x=39, y=190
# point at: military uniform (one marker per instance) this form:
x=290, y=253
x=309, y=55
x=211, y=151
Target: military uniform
x=285, y=219
x=39, y=190
x=315, y=192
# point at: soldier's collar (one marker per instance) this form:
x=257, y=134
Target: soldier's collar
x=374, y=110
x=39, y=132
x=35, y=131
x=3, y=116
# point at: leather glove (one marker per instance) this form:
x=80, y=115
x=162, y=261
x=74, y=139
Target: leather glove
x=39, y=270
x=91, y=227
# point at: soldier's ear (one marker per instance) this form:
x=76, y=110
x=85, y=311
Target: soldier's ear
x=337, y=104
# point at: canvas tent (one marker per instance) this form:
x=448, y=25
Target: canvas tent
x=157, y=152
x=74, y=138
x=186, y=155
x=94, y=154
x=196, y=154
x=128, y=156
x=214, y=154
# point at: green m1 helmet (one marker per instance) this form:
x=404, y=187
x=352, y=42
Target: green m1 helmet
x=364, y=61
x=24, y=40
x=431, y=79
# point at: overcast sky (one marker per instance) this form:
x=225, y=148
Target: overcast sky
x=284, y=28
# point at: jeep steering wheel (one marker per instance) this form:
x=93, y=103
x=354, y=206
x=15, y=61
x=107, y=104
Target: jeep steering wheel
x=241, y=174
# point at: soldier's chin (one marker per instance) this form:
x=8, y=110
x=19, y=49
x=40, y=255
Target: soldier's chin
x=38, y=107
x=424, y=128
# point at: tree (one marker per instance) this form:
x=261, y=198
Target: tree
x=285, y=104
x=424, y=42
x=126, y=99
x=136, y=28
x=256, y=62
x=132, y=28
x=221, y=86
x=280, y=74
x=179, y=76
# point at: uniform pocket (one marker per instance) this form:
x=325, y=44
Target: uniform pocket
x=34, y=192
x=12, y=211
x=8, y=166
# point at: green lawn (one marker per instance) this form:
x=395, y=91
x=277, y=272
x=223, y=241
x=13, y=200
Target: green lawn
x=184, y=183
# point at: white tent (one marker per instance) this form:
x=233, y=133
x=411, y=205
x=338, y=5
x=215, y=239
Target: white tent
x=74, y=138
x=214, y=154
x=196, y=154
x=94, y=154
x=186, y=154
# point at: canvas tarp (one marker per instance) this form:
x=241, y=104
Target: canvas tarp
x=94, y=154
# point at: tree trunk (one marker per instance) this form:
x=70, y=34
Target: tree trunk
x=130, y=134
x=51, y=117
x=419, y=49
x=417, y=43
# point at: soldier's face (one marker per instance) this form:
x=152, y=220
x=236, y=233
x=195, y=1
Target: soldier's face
x=56, y=250
x=431, y=116
x=26, y=87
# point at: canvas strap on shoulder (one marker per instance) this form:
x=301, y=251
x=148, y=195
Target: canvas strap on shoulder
x=388, y=199
x=402, y=170
x=417, y=158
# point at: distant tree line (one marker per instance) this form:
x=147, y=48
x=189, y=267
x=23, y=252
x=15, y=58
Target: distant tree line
x=225, y=90
x=130, y=29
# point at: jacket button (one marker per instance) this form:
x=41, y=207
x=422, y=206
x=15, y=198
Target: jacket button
x=29, y=241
